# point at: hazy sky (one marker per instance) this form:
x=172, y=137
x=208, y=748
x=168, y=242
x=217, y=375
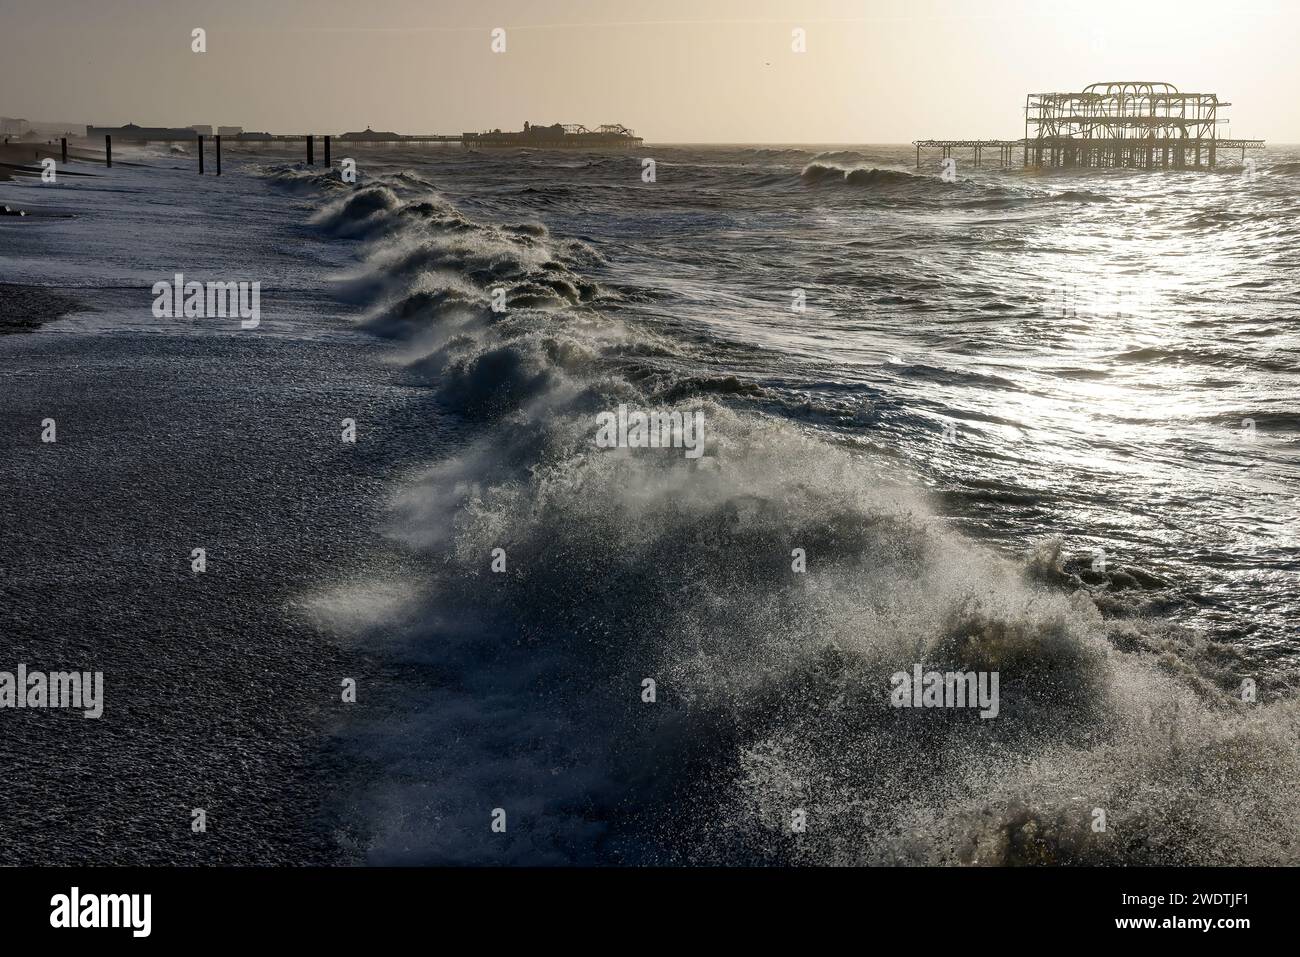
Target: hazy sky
x=674, y=70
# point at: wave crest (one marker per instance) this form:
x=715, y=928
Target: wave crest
x=772, y=682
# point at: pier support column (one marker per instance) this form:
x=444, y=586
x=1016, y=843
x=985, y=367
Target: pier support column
x=327, y=152
x=108, y=151
x=200, y=154
x=218, y=154
x=311, y=151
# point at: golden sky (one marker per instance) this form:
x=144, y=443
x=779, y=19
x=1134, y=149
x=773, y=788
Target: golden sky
x=874, y=71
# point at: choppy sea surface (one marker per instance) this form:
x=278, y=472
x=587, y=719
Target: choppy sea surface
x=1042, y=424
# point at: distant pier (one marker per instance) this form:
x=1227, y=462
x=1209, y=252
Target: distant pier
x=1005, y=148
x=1130, y=125
x=556, y=136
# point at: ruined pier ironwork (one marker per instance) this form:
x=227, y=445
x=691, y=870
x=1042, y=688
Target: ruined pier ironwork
x=1005, y=149
x=1123, y=124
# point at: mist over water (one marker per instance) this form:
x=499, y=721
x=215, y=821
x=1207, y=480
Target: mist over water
x=1037, y=424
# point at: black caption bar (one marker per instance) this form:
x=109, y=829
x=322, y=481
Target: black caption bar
x=137, y=906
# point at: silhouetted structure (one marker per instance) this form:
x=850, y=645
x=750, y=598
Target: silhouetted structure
x=556, y=136
x=1138, y=125
x=1129, y=124
x=144, y=134
x=370, y=136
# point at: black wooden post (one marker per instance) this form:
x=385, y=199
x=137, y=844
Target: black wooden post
x=311, y=151
x=327, y=152
x=218, y=154
x=108, y=151
x=200, y=154
x=63, y=142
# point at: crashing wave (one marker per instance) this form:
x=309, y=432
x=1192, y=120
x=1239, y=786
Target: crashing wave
x=772, y=683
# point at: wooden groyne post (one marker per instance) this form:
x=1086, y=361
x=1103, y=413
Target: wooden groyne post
x=63, y=145
x=218, y=154
x=311, y=151
x=108, y=151
x=200, y=154
x=327, y=152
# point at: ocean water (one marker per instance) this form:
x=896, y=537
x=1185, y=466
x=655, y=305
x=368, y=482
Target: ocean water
x=1037, y=424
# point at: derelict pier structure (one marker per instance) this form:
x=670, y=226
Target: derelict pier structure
x=1129, y=124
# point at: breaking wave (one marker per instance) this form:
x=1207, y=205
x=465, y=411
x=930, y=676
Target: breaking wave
x=523, y=687
x=870, y=177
